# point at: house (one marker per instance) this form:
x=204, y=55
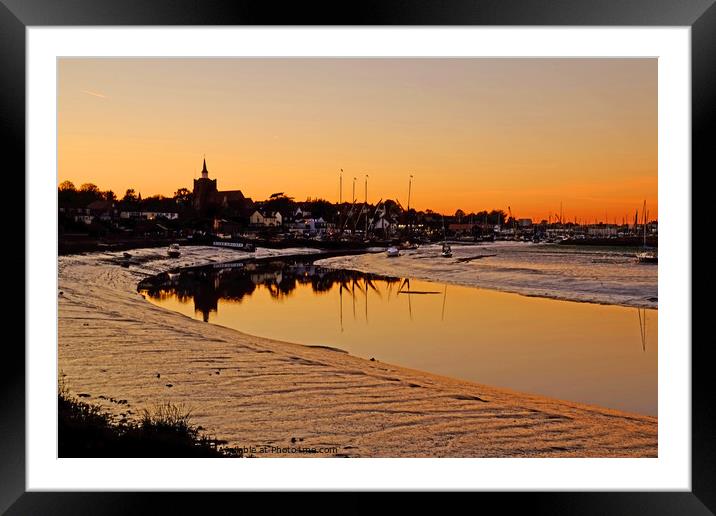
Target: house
x=102, y=210
x=461, y=227
x=149, y=228
x=226, y=227
x=148, y=215
x=524, y=223
x=309, y=225
x=603, y=230
x=266, y=219
x=83, y=217
x=300, y=214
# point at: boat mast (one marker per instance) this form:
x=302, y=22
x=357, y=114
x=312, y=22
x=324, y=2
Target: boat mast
x=353, y=205
x=644, y=215
x=366, y=206
x=410, y=184
x=340, y=199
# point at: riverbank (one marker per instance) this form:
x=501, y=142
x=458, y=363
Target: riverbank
x=609, y=276
x=75, y=244
x=276, y=398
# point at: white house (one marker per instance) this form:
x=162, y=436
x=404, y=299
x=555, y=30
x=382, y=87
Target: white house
x=87, y=219
x=265, y=219
x=524, y=223
x=148, y=215
x=603, y=230
x=301, y=214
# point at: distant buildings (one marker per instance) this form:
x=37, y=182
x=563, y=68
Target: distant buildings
x=603, y=230
x=106, y=211
x=524, y=223
x=148, y=215
x=208, y=199
x=461, y=227
x=102, y=210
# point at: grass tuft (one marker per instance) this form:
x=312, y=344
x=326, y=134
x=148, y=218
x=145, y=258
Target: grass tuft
x=87, y=430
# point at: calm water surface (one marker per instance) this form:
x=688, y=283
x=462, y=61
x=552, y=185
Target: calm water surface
x=597, y=354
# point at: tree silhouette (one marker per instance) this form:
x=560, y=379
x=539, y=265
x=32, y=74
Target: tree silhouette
x=66, y=186
x=130, y=196
x=281, y=203
x=89, y=188
x=183, y=196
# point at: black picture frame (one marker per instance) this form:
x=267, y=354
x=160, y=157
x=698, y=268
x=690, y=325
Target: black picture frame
x=16, y=15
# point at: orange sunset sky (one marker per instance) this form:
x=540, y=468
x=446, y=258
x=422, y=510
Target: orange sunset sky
x=475, y=133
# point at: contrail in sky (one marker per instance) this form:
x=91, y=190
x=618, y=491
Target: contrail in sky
x=94, y=94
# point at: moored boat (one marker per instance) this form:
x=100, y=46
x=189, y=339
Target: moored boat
x=392, y=252
x=446, y=251
x=241, y=246
x=646, y=255
x=408, y=246
x=173, y=251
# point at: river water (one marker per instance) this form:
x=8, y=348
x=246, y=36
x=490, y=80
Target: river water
x=601, y=354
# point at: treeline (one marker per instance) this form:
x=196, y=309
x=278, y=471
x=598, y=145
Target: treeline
x=69, y=196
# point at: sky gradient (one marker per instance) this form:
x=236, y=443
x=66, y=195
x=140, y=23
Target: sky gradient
x=475, y=133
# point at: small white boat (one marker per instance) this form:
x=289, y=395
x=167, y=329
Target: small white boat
x=392, y=252
x=173, y=251
x=647, y=257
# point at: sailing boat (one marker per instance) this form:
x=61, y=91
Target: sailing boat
x=446, y=250
x=647, y=255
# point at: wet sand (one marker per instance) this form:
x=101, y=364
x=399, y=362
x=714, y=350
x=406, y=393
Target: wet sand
x=609, y=276
x=128, y=354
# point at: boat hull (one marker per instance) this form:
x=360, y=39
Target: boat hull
x=647, y=258
x=239, y=246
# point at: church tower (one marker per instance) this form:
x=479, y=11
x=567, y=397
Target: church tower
x=204, y=191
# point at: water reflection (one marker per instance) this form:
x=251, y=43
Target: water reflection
x=590, y=353
x=206, y=286
x=642, y=326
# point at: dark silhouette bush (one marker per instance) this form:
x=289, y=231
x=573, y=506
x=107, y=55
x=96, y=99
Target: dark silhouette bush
x=86, y=430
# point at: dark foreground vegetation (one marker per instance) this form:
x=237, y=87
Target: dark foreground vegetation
x=87, y=430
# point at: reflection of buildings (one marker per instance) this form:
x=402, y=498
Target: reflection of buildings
x=280, y=279
x=206, y=299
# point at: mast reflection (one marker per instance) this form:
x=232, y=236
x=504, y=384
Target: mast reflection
x=205, y=286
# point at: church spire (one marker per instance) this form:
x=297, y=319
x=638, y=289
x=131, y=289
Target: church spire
x=204, y=172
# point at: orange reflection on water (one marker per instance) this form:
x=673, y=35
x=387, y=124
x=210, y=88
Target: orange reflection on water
x=596, y=354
